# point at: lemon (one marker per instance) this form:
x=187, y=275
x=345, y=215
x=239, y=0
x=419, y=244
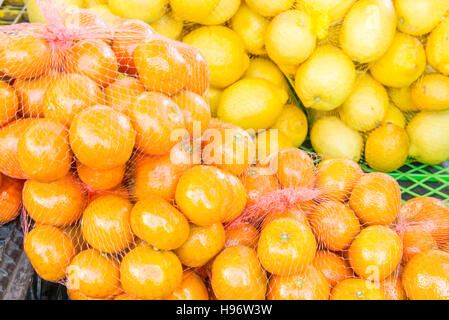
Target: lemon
x=402, y=98
x=224, y=52
x=192, y=10
x=429, y=137
x=332, y=137
x=315, y=115
x=437, y=47
x=251, y=103
x=270, y=8
x=368, y=30
x=104, y=13
x=335, y=9
x=265, y=69
x=168, y=26
x=270, y=141
x=387, y=148
x=431, y=92
x=402, y=64
x=91, y=3
x=251, y=27
x=325, y=80
x=395, y=116
x=146, y=10
x=35, y=13
x=420, y=17
x=289, y=38
x=367, y=105
x=224, y=11
x=214, y=100
x=289, y=70
x=293, y=123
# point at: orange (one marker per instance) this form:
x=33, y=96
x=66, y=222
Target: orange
x=68, y=95
x=295, y=168
x=430, y=213
x=161, y=66
x=286, y=246
x=76, y=295
x=59, y=203
x=98, y=179
x=375, y=253
x=336, y=177
x=93, y=274
x=294, y=212
x=237, y=275
x=120, y=95
x=102, y=138
x=202, y=244
x=125, y=296
x=23, y=56
x=416, y=239
x=426, y=276
x=106, y=225
x=50, y=251
x=155, y=117
x=9, y=103
x=203, y=195
x=9, y=138
x=307, y=285
x=334, y=224
x=191, y=288
x=258, y=183
x=242, y=234
x=357, y=289
x=376, y=199
x=128, y=34
x=197, y=69
x=149, y=274
x=392, y=288
x=333, y=267
x=238, y=202
x=94, y=59
x=270, y=142
x=159, y=224
x=87, y=20
x=44, y=152
x=196, y=112
x=10, y=198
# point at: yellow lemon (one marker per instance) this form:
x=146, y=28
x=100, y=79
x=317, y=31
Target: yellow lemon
x=402, y=98
x=431, y=92
x=35, y=13
x=336, y=9
x=91, y=3
x=224, y=11
x=251, y=27
x=289, y=70
x=419, y=17
x=429, y=137
x=368, y=30
x=224, y=52
x=395, y=116
x=293, y=123
x=332, y=137
x=192, y=10
x=251, y=103
x=265, y=69
x=437, y=47
x=214, y=100
x=402, y=64
x=146, y=10
x=366, y=106
x=325, y=80
x=386, y=148
x=271, y=141
x=315, y=115
x=289, y=38
x=168, y=27
x=104, y=13
x=270, y=8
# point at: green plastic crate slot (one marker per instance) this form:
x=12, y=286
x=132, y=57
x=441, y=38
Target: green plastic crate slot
x=12, y=12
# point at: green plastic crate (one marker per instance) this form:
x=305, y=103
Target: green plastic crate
x=12, y=12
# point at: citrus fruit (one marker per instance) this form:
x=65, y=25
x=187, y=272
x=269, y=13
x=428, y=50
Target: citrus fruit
x=224, y=11
x=402, y=98
x=68, y=95
x=335, y=10
x=146, y=10
x=268, y=8
x=375, y=252
x=376, y=199
x=196, y=112
x=10, y=198
x=44, y=152
x=238, y=203
x=102, y=137
x=98, y=179
x=50, y=251
x=326, y=79
x=295, y=168
x=425, y=277
x=269, y=142
x=258, y=183
x=125, y=296
x=393, y=289
x=357, y=289
x=286, y=246
x=202, y=244
x=214, y=100
x=236, y=275
x=335, y=225
x=264, y=68
x=336, y=177
x=155, y=117
x=416, y=239
x=333, y=267
x=368, y=30
x=85, y=19
x=307, y=285
x=395, y=116
x=194, y=10
x=159, y=224
x=431, y=92
x=294, y=212
x=150, y=274
x=106, y=226
x=197, y=78
x=59, y=203
x=224, y=52
x=9, y=103
x=437, y=48
x=121, y=93
x=243, y=234
x=386, y=148
x=168, y=26
x=293, y=122
x=93, y=274
x=191, y=288
x=76, y=295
